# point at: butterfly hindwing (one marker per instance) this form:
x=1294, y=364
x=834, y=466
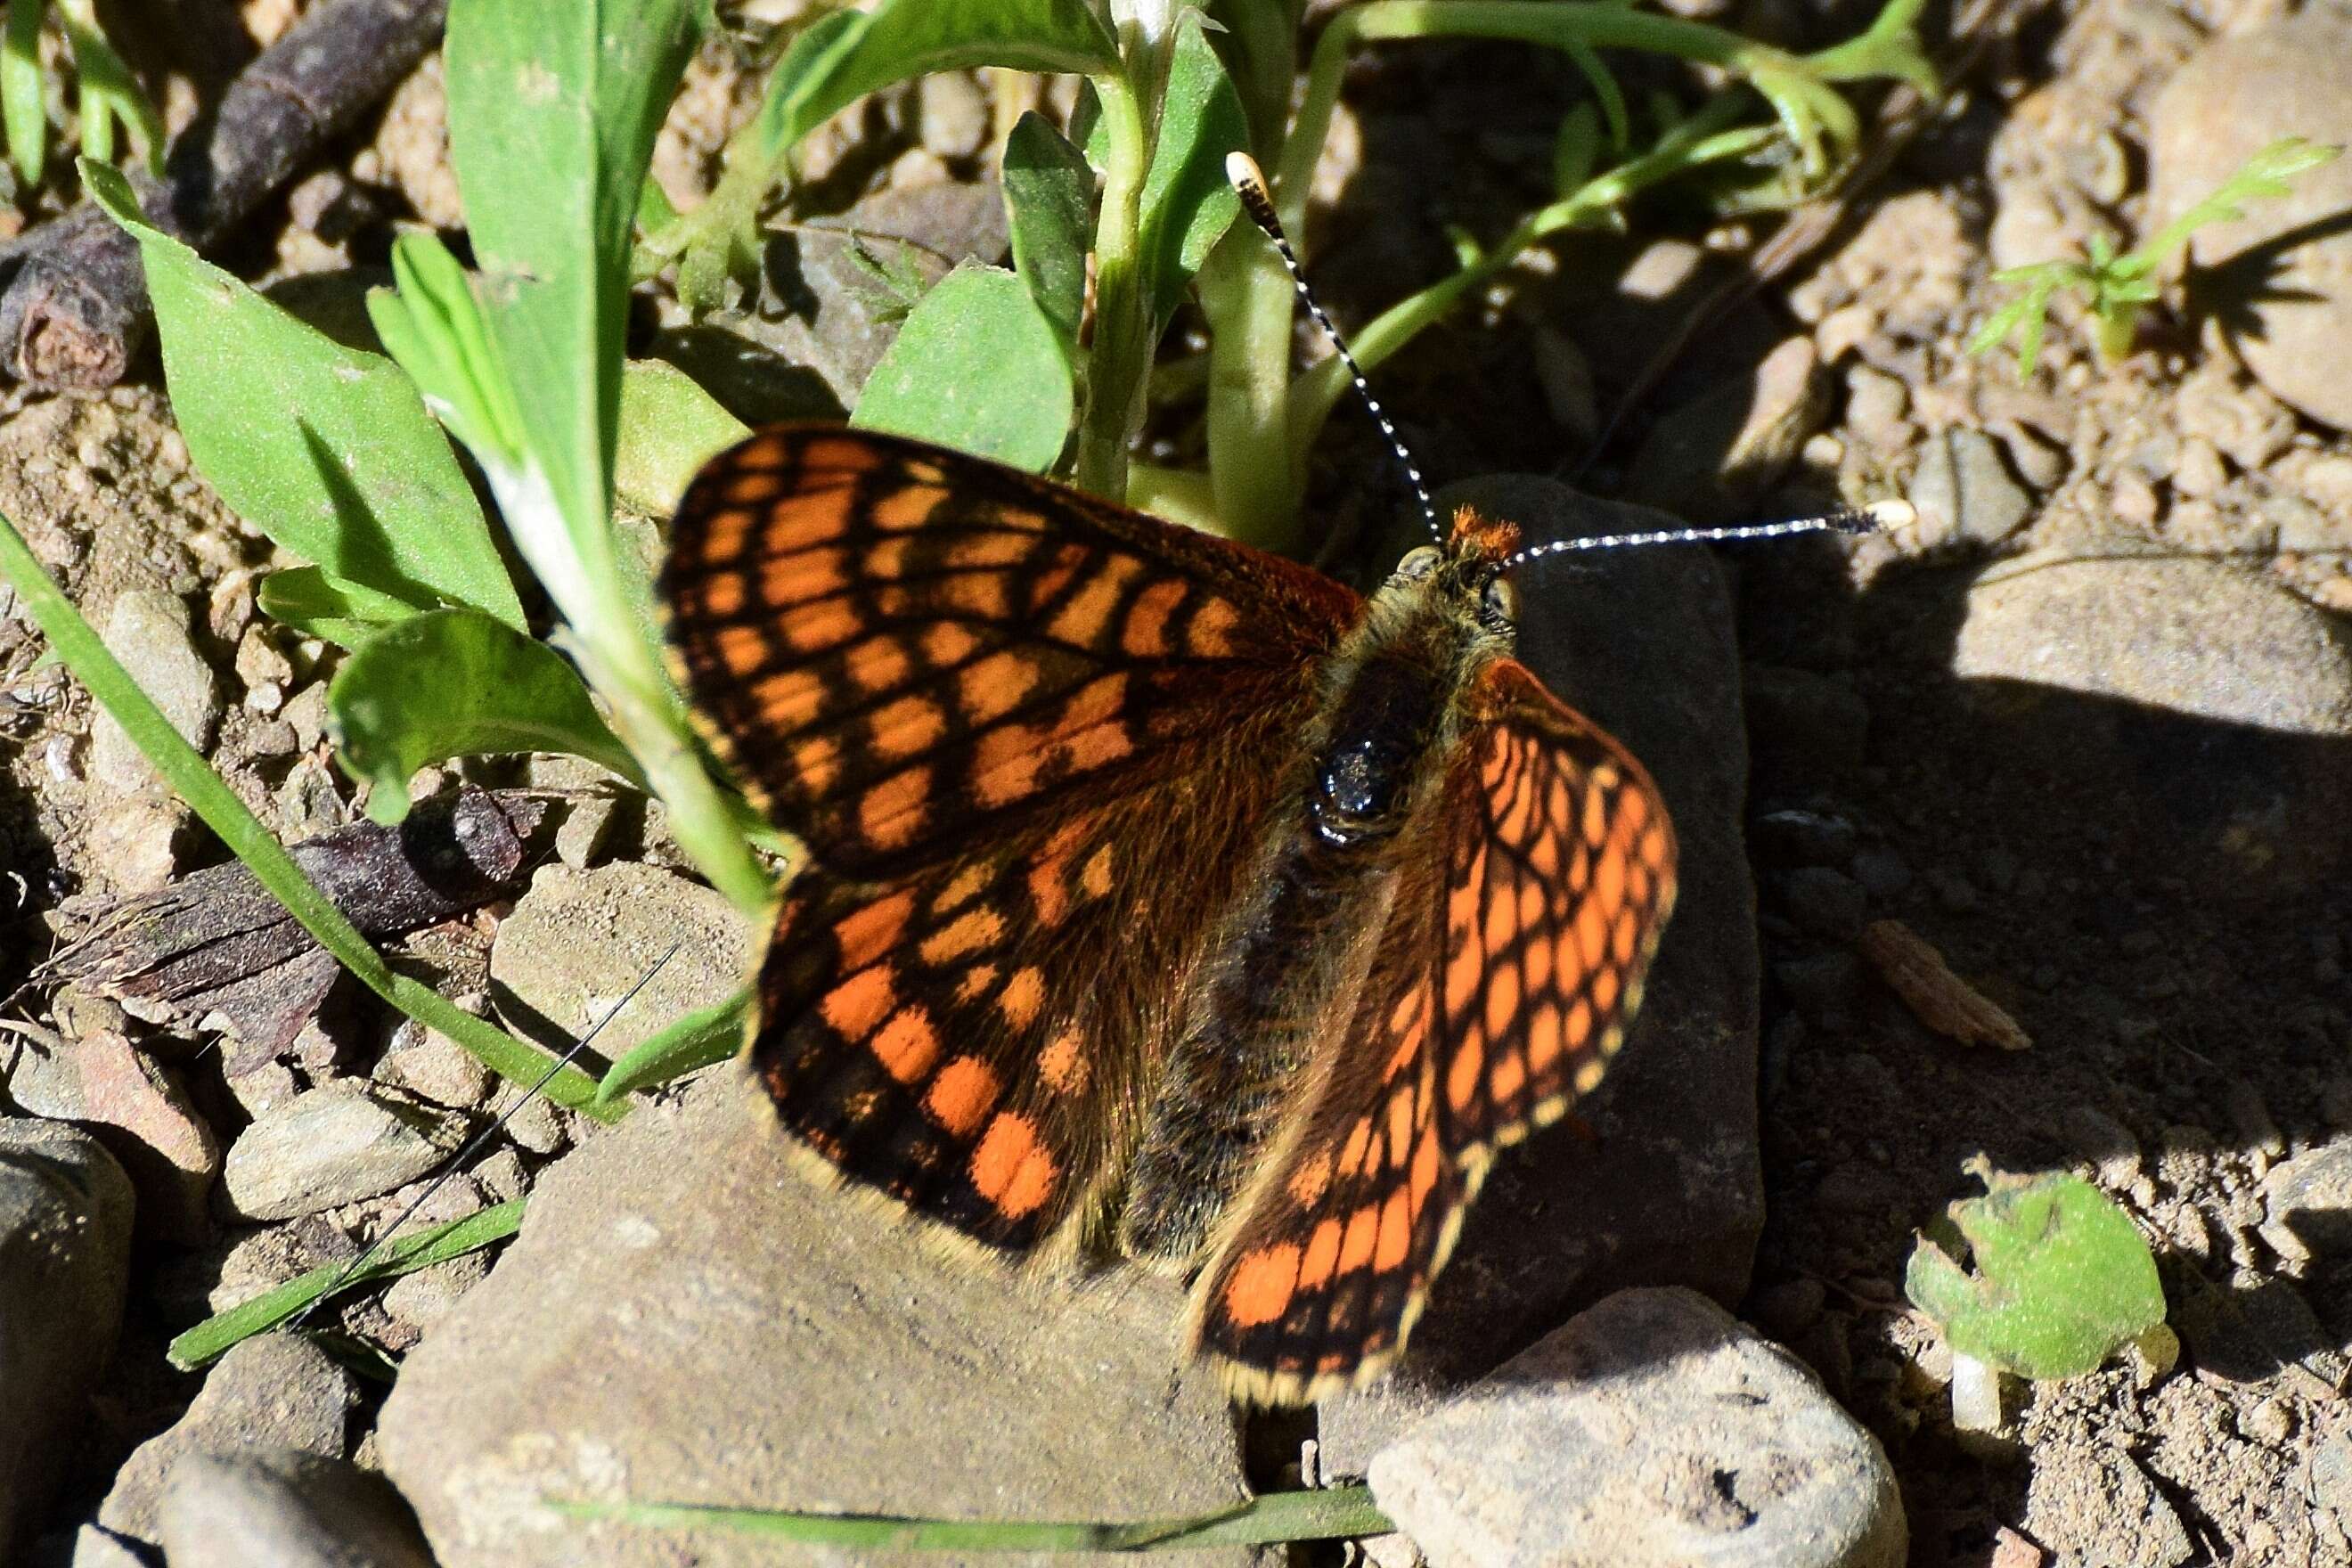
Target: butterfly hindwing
x=1512, y=961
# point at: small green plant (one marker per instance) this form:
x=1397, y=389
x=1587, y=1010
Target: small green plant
x=108, y=97
x=2114, y=287
x=2060, y=1277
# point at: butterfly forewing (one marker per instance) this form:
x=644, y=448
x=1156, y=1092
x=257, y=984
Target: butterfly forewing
x=901, y=649
x=1513, y=958
x=1028, y=740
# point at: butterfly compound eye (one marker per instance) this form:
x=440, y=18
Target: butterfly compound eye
x=1418, y=564
x=1500, y=602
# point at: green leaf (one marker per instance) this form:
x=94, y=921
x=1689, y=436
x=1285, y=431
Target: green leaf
x=456, y=683
x=320, y=605
x=904, y=39
x=21, y=109
x=1049, y=196
x=669, y=428
x=430, y=322
x=1335, y=1513
x=108, y=93
x=217, y=1334
x=1188, y=204
x=553, y=105
x=2062, y=1276
x=976, y=367
x=327, y=450
x=708, y=1035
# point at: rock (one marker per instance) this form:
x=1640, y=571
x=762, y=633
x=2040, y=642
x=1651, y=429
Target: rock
x=946, y=218
x=1794, y=837
x=1711, y=458
x=2217, y=702
x=1882, y=872
x=578, y=941
x=1654, y=1429
x=2307, y=1203
x=803, y=347
x=91, y=1547
x=2258, y=1329
x=332, y=1145
x=274, y=1391
x=1875, y=407
x=2279, y=280
x=434, y=1067
x=1963, y=492
x=147, y=629
x=1824, y=903
x=38, y=1078
x=688, y=1316
x=141, y=1110
x=284, y=1508
x=65, y=1264
x=2090, y=1503
x=2330, y=1477
x=1663, y=1184
x=954, y=114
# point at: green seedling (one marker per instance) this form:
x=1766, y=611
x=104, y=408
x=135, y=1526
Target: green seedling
x=2114, y=287
x=2056, y=1278
x=107, y=96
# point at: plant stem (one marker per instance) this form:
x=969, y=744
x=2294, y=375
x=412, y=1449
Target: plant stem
x=1118, y=363
x=1566, y=26
x=188, y=774
x=1248, y=296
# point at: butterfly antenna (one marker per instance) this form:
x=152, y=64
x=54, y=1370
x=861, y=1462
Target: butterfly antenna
x=1249, y=183
x=474, y=1145
x=1849, y=520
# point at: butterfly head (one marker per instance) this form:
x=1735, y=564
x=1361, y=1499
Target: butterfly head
x=1465, y=578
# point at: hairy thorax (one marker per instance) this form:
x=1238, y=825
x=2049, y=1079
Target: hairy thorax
x=1285, y=966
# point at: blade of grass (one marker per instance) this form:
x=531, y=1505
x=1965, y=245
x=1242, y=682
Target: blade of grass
x=705, y=1036
x=72, y=639
x=209, y=1340
x=1335, y=1514
x=21, y=110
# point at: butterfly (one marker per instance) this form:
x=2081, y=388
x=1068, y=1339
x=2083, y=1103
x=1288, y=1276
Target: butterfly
x=1163, y=898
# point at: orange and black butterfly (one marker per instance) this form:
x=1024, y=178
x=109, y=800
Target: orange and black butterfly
x=1163, y=897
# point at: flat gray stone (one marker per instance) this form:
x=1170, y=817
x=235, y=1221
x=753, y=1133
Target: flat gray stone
x=2214, y=702
x=274, y=1391
x=578, y=941
x=2187, y=635
x=690, y=1317
x=65, y=1263
x=334, y=1145
x=1963, y=492
x=282, y=1507
x=1654, y=1429
x=1663, y=1184
x=2280, y=278
x=147, y=629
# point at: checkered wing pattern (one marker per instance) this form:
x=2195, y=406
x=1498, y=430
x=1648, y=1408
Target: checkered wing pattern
x=1512, y=963
x=1027, y=739
x=900, y=650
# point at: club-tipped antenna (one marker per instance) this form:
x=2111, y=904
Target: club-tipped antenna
x=1873, y=518
x=1249, y=183
x=474, y=1145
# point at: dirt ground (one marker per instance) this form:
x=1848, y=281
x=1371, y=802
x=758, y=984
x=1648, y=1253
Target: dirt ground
x=2157, y=896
